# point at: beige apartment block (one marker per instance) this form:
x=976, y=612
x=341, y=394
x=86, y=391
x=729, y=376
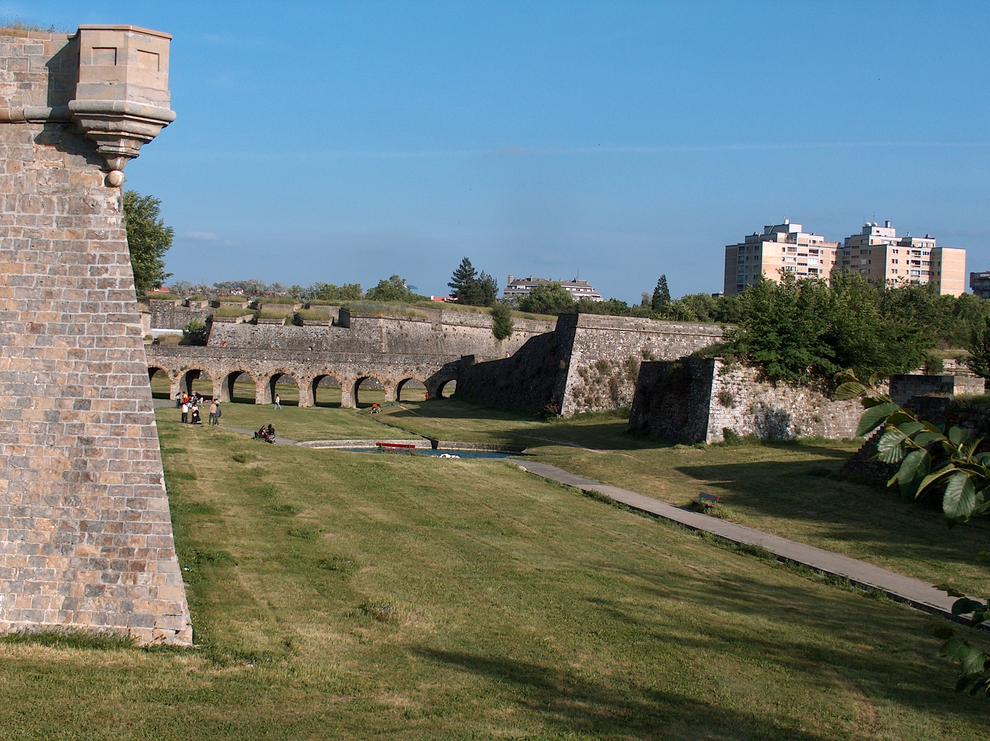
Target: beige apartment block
x=779, y=250
x=882, y=256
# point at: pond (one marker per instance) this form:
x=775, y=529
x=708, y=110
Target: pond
x=443, y=454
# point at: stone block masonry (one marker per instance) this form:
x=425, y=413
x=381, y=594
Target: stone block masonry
x=589, y=363
x=696, y=400
x=85, y=532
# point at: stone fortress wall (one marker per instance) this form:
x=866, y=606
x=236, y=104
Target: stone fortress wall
x=389, y=351
x=696, y=400
x=589, y=363
x=85, y=533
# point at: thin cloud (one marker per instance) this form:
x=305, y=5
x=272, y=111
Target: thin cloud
x=204, y=238
x=514, y=151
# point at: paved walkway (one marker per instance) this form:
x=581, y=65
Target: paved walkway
x=896, y=586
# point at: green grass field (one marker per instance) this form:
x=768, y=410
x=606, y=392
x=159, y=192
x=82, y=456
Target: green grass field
x=789, y=489
x=298, y=424
x=339, y=595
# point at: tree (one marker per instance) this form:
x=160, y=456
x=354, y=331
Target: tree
x=331, y=292
x=148, y=239
x=954, y=463
x=195, y=333
x=393, y=288
x=487, y=290
x=660, y=301
x=464, y=283
x=805, y=331
x=501, y=321
x=471, y=288
x=549, y=298
x=979, y=350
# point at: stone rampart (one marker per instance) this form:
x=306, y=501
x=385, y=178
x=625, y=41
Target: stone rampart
x=606, y=353
x=306, y=369
x=460, y=334
x=903, y=388
x=381, y=351
x=697, y=399
x=174, y=315
x=527, y=381
x=589, y=363
x=85, y=532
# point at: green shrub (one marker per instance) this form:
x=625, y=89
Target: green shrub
x=501, y=321
x=231, y=312
x=195, y=333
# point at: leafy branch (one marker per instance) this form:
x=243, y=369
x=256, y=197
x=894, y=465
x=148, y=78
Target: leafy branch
x=929, y=460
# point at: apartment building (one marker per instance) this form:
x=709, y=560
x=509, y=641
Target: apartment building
x=516, y=288
x=779, y=249
x=979, y=284
x=882, y=256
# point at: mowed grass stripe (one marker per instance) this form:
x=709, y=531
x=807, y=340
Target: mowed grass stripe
x=342, y=595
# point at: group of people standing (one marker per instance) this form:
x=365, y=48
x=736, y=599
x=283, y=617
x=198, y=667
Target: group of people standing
x=189, y=406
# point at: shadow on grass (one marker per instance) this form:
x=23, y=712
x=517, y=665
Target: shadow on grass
x=603, y=431
x=846, y=511
x=71, y=638
x=900, y=664
x=577, y=705
x=440, y=418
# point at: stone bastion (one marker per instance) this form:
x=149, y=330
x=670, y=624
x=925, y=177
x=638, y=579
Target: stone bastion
x=85, y=533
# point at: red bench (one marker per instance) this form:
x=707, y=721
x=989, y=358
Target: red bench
x=395, y=447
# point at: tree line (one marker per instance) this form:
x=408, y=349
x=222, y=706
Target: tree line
x=795, y=331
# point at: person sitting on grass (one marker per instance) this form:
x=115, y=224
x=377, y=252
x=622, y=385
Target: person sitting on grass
x=376, y=408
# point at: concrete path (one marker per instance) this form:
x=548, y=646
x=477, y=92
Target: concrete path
x=896, y=586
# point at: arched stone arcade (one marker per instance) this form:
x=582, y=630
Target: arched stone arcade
x=238, y=385
x=162, y=383
x=198, y=380
x=370, y=384
x=286, y=384
x=240, y=377
x=410, y=389
x=326, y=390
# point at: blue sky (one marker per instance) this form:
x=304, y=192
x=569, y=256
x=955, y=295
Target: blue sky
x=346, y=141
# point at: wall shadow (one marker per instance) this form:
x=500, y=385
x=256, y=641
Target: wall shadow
x=577, y=705
x=845, y=511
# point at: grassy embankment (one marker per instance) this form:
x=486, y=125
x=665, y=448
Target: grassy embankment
x=790, y=489
x=340, y=595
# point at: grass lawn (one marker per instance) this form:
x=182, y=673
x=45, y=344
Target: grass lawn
x=790, y=489
x=339, y=595
x=298, y=424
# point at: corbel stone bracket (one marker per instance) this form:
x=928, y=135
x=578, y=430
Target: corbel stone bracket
x=119, y=128
x=121, y=99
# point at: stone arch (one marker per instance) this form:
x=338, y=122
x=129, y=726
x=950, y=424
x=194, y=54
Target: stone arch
x=275, y=383
x=332, y=390
x=374, y=390
x=414, y=389
x=446, y=389
x=230, y=393
x=162, y=383
x=196, y=379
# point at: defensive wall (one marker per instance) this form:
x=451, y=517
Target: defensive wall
x=904, y=388
x=588, y=363
x=390, y=351
x=85, y=533
x=696, y=400
x=944, y=400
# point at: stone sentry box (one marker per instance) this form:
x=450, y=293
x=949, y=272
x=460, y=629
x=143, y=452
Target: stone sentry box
x=85, y=532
